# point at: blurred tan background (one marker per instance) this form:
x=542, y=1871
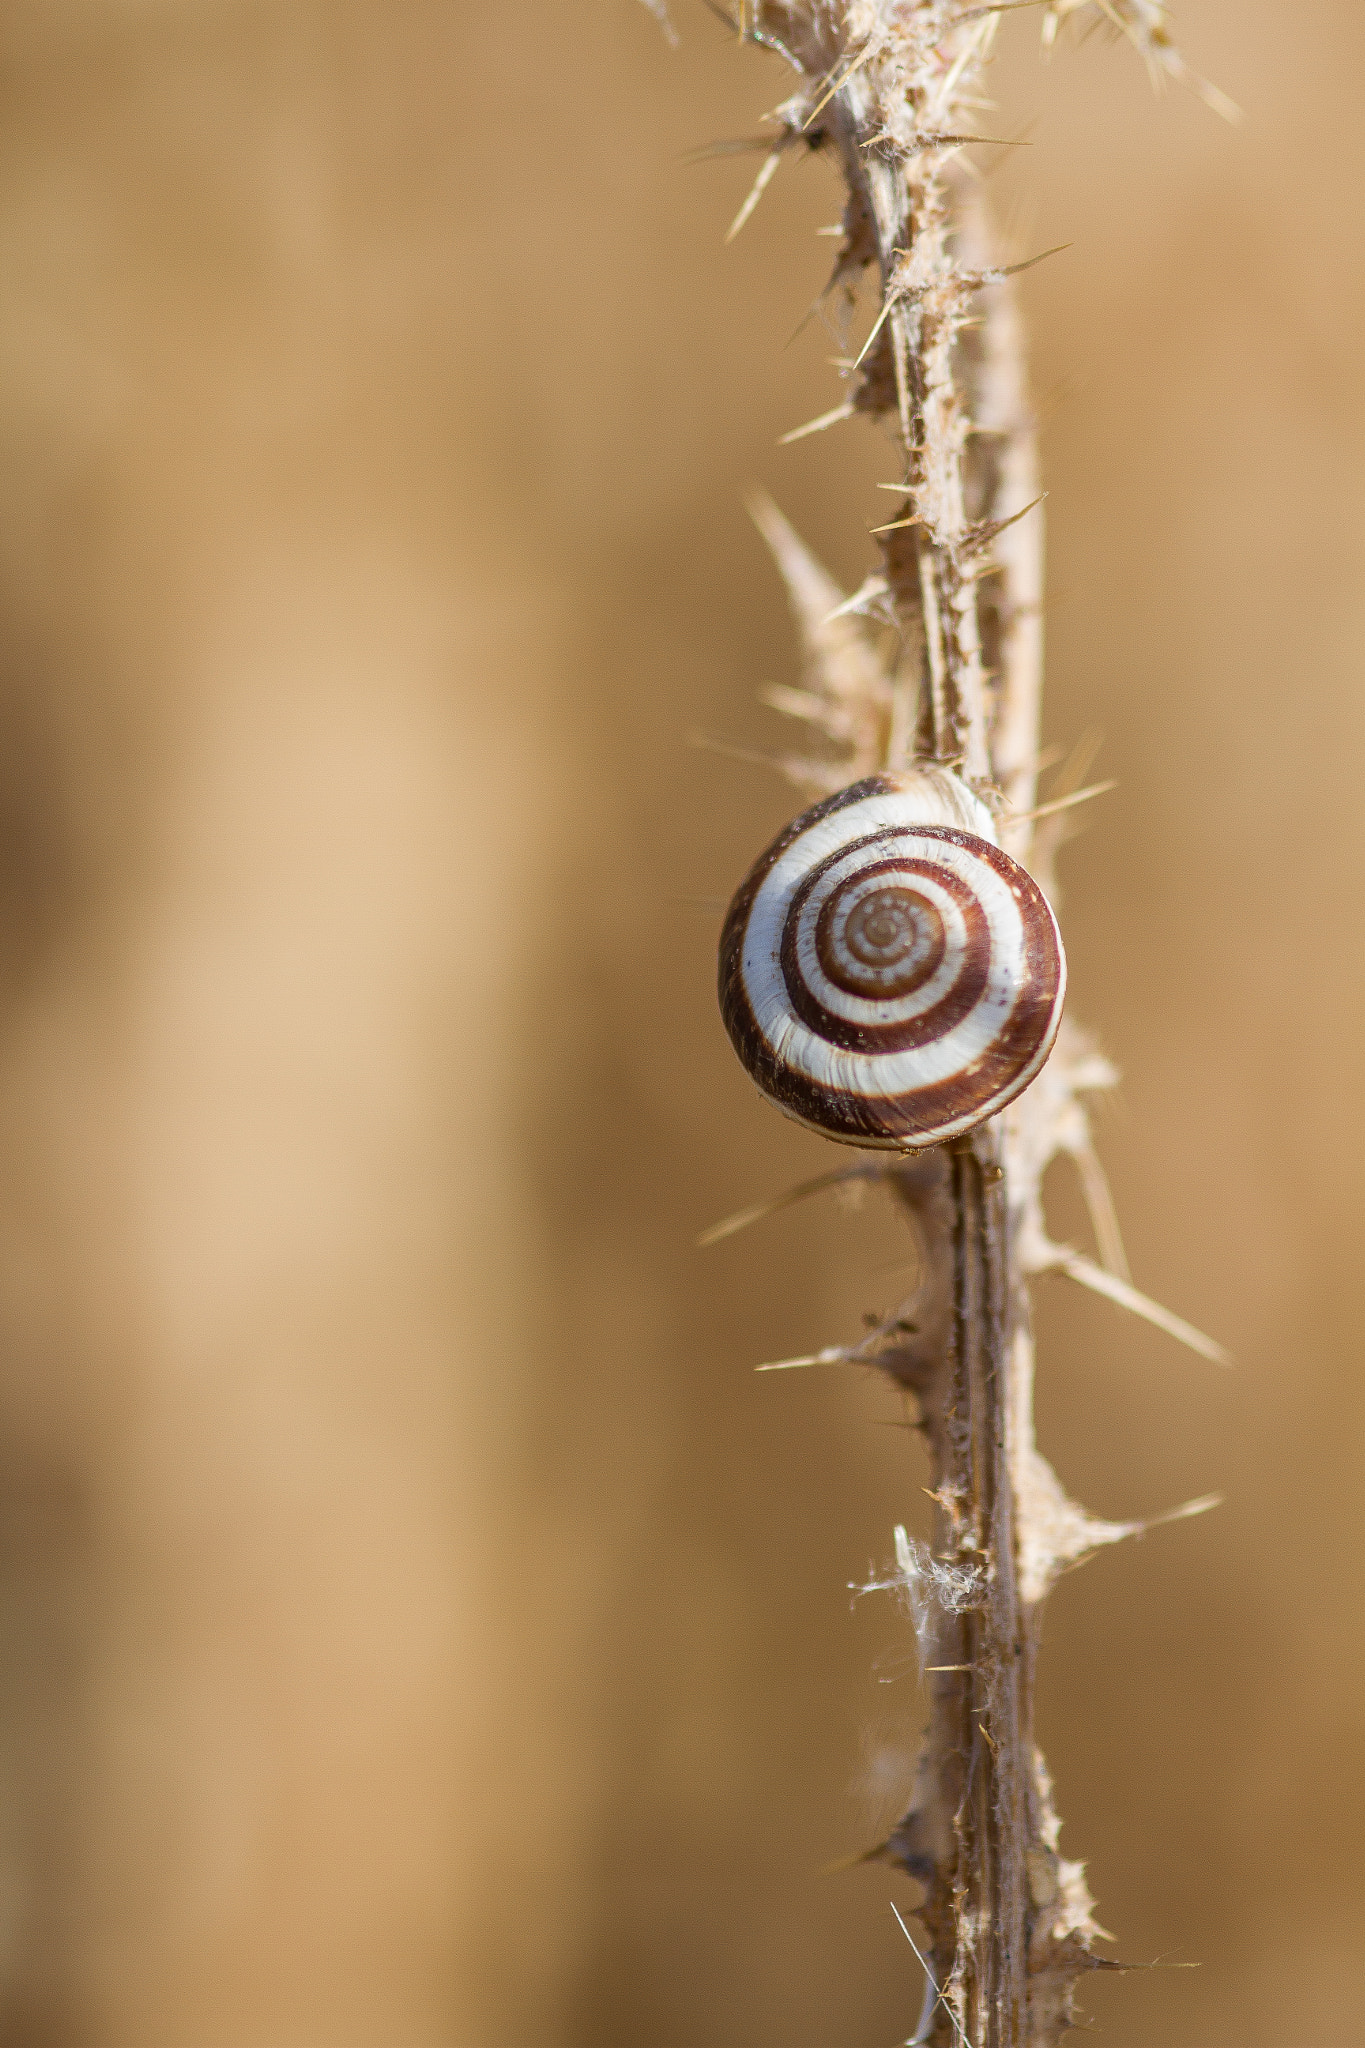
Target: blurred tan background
x=417, y=1625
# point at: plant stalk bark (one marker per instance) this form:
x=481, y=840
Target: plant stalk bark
x=884, y=85
x=938, y=660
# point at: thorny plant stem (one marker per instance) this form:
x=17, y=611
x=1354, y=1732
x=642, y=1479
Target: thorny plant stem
x=975, y=1834
x=976, y=1909
x=967, y=654
x=939, y=659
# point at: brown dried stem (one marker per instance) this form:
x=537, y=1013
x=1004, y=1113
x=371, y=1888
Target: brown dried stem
x=887, y=86
x=939, y=658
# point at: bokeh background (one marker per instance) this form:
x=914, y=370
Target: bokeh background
x=418, y=1627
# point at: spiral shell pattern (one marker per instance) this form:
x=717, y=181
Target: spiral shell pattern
x=887, y=976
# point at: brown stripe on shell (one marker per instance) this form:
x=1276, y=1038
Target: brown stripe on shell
x=921, y=1115
x=866, y=973
x=955, y=1003
x=734, y=1003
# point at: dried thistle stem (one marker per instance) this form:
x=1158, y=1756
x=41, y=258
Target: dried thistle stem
x=938, y=659
x=887, y=85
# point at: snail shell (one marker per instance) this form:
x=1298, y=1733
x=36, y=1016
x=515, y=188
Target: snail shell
x=888, y=976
